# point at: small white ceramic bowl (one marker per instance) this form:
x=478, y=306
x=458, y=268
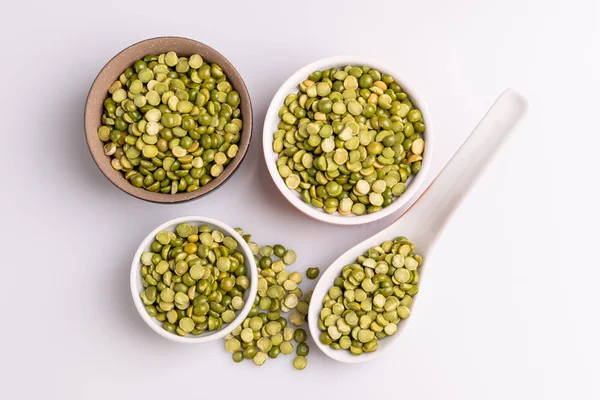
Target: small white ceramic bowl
x=272, y=121
x=137, y=288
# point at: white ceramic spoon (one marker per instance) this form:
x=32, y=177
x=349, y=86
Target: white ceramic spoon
x=425, y=220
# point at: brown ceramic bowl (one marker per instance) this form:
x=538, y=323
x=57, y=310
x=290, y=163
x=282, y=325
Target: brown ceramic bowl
x=110, y=73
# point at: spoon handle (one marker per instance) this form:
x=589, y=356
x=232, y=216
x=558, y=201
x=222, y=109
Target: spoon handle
x=430, y=213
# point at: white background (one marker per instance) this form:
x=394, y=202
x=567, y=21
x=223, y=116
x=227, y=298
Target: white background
x=509, y=305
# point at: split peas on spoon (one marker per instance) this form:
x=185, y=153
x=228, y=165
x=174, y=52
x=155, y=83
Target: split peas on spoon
x=337, y=321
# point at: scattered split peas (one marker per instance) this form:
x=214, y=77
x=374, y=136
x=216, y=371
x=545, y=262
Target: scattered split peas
x=267, y=332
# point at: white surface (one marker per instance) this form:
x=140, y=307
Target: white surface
x=509, y=308
x=424, y=222
x=135, y=280
x=413, y=186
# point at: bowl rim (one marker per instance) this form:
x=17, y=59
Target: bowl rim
x=103, y=162
x=272, y=118
x=135, y=280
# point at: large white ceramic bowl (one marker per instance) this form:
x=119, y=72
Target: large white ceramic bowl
x=272, y=121
x=249, y=294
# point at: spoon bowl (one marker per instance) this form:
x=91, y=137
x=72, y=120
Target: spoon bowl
x=426, y=218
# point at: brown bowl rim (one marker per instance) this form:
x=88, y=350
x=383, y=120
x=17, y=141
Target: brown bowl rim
x=99, y=89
